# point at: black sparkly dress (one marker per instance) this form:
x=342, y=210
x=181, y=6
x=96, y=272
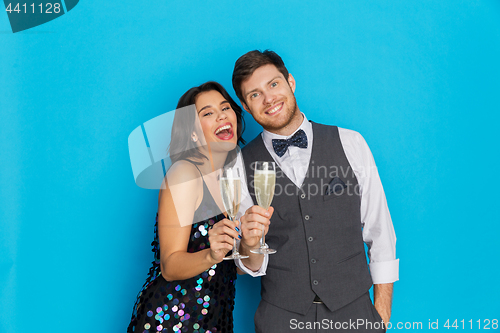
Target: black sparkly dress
x=201, y=304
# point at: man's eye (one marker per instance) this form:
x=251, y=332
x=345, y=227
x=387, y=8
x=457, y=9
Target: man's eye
x=274, y=84
x=254, y=95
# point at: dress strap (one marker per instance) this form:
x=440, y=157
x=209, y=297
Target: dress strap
x=198, y=170
x=201, y=175
x=208, y=199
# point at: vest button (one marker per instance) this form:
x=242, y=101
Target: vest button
x=306, y=217
x=310, y=239
x=302, y=196
x=313, y=261
x=315, y=282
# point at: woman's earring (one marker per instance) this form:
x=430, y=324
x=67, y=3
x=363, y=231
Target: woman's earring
x=194, y=138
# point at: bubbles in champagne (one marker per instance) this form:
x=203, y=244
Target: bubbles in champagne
x=231, y=195
x=264, y=183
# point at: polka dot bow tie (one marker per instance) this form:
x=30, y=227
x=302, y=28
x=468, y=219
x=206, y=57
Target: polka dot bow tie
x=299, y=139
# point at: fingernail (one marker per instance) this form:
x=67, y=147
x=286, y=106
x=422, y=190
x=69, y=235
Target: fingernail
x=237, y=229
x=239, y=236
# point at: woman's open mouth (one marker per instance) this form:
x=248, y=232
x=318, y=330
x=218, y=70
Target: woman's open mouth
x=225, y=132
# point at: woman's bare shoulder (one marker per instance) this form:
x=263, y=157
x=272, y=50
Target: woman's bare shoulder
x=182, y=172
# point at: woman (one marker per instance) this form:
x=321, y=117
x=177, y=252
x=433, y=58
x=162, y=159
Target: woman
x=190, y=288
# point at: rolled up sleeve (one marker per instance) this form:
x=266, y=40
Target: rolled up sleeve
x=378, y=229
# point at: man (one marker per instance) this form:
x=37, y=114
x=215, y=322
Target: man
x=329, y=201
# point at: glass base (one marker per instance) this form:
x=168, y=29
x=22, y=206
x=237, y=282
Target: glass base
x=263, y=250
x=235, y=256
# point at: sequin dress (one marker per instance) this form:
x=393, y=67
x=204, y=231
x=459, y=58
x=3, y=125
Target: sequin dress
x=201, y=304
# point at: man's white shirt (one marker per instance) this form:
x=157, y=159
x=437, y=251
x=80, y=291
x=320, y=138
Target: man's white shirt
x=378, y=231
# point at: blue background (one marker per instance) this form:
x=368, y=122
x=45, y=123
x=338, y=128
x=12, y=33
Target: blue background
x=419, y=80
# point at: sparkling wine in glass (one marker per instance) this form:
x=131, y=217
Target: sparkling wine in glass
x=230, y=188
x=264, y=183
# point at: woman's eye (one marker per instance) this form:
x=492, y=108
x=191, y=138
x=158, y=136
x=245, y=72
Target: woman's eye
x=254, y=95
x=226, y=108
x=207, y=114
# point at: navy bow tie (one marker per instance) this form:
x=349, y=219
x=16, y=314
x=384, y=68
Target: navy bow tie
x=299, y=139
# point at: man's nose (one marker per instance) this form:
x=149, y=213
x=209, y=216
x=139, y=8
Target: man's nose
x=269, y=97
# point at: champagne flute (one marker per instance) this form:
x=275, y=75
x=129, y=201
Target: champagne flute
x=230, y=188
x=264, y=183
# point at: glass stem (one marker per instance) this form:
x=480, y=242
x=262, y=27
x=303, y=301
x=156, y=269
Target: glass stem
x=235, y=251
x=262, y=240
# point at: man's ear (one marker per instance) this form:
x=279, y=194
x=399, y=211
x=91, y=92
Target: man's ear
x=291, y=82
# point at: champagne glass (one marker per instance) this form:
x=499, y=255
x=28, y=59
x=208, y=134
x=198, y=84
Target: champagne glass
x=230, y=188
x=264, y=183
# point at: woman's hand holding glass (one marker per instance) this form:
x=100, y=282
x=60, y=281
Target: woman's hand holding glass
x=230, y=187
x=221, y=238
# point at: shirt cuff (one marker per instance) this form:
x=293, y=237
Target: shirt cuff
x=385, y=271
x=260, y=272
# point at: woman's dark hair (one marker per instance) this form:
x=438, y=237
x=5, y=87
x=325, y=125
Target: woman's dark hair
x=249, y=62
x=182, y=146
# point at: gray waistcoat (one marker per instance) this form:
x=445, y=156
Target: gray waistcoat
x=317, y=235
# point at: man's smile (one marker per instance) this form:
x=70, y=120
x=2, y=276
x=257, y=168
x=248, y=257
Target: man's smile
x=275, y=109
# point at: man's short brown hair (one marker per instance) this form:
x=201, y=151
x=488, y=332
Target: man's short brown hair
x=250, y=62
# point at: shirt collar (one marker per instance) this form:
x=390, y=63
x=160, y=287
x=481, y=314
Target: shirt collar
x=268, y=137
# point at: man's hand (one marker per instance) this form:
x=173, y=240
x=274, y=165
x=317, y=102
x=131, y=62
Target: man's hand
x=382, y=295
x=252, y=223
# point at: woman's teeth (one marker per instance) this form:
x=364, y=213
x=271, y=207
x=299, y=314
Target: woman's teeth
x=220, y=129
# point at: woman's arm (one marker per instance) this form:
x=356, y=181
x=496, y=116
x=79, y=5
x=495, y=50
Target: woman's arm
x=178, y=200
